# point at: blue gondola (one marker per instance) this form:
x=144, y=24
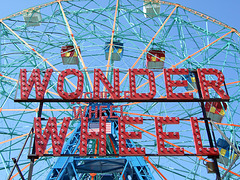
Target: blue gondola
x=117, y=50
x=191, y=81
x=226, y=153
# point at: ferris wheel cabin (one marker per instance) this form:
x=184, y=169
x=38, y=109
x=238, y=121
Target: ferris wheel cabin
x=32, y=18
x=117, y=50
x=69, y=55
x=155, y=59
x=215, y=111
x=191, y=81
x=151, y=9
x=226, y=153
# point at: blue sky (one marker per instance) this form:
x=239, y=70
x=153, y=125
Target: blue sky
x=226, y=11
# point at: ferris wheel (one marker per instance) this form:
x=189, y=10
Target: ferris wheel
x=108, y=35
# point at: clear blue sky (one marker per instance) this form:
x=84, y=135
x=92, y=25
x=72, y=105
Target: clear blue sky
x=226, y=11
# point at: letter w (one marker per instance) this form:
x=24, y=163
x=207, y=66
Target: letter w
x=80, y=113
x=35, y=78
x=41, y=140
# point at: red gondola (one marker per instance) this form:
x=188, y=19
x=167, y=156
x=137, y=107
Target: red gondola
x=69, y=55
x=155, y=59
x=215, y=110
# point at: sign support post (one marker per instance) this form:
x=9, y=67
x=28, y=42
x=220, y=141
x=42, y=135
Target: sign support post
x=218, y=176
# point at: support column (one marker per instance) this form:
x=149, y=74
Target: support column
x=32, y=159
x=218, y=176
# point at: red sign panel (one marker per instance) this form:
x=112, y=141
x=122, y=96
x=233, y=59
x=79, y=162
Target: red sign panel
x=114, y=92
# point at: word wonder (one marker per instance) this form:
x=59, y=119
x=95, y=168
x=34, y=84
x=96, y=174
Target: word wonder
x=114, y=88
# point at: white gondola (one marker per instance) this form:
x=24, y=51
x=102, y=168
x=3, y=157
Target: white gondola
x=32, y=18
x=151, y=8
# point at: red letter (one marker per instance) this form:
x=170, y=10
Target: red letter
x=80, y=112
x=112, y=112
x=200, y=150
x=216, y=85
x=132, y=84
x=88, y=95
x=85, y=135
x=35, y=77
x=169, y=84
x=95, y=111
x=101, y=111
x=50, y=129
x=114, y=92
x=61, y=79
x=166, y=135
x=123, y=135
